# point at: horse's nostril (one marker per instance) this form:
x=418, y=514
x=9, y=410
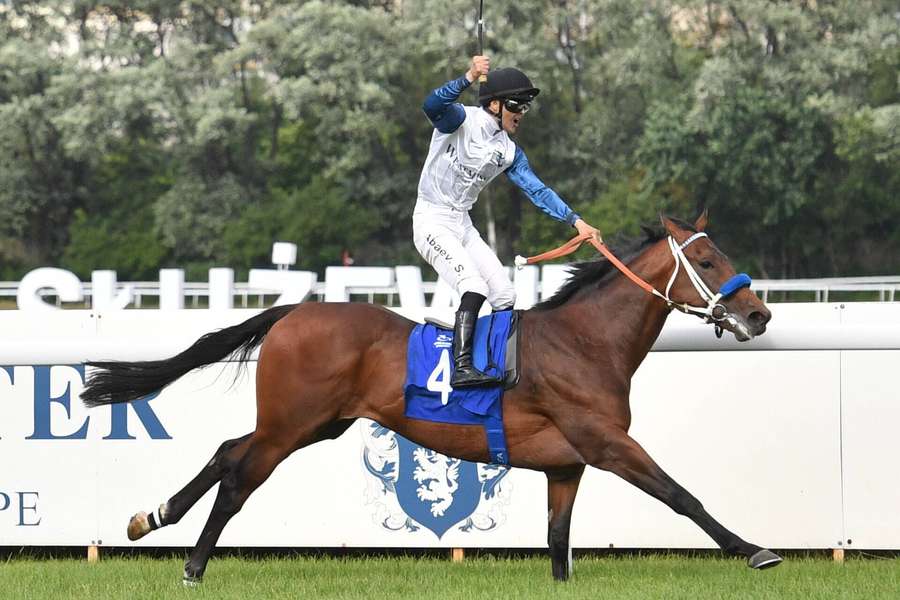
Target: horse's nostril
x=759, y=319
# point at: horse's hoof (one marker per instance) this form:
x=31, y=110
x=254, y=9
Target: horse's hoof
x=764, y=559
x=191, y=577
x=138, y=526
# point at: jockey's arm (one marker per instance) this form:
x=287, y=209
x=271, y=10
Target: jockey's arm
x=543, y=197
x=441, y=107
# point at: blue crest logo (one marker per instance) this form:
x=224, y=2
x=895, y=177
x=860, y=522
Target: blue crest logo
x=412, y=486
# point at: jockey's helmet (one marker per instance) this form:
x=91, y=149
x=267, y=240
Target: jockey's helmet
x=506, y=83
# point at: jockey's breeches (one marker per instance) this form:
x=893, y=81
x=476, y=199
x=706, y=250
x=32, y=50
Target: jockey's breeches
x=446, y=238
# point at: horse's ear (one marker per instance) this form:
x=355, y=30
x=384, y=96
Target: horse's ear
x=671, y=227
x=702, y=220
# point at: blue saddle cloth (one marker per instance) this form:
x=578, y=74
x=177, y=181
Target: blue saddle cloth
x=429, y=368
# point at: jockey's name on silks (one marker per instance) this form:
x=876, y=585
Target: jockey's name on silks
x=429, y=368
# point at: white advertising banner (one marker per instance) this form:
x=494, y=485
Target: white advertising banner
x=787, y=448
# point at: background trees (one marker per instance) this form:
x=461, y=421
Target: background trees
x=144, y=134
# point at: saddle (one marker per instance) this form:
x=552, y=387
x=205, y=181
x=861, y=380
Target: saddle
x=427, y=390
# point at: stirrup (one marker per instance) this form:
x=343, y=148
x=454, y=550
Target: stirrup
x=468, y=376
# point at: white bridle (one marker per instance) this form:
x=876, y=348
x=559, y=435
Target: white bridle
x=713, y=312
x=708, y=312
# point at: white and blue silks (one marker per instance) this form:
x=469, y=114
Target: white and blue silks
x=468, y=150
x=429, y=369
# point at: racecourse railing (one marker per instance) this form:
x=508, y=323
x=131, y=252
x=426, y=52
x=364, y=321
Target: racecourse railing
x=146, y=293
x=197, y=294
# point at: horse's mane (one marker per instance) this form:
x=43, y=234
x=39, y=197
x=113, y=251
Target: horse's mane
x=598, y=272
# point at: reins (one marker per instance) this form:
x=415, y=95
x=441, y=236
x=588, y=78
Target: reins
x=712, y=312
x=573, y=245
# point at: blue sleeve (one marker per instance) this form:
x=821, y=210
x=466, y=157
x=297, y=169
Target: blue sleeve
x=543, y=197
x=441, y=107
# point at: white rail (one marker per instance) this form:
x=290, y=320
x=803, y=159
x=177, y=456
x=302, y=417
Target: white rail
x=196, y=294
x=76, y=336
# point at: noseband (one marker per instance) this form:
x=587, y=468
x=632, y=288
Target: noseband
x=713, y=312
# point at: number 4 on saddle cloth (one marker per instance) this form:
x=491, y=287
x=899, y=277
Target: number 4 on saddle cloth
x=429, y=369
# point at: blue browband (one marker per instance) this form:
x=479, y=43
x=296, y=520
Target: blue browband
x=741, y=280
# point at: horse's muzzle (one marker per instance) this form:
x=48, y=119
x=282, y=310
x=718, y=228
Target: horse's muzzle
x=757, y=321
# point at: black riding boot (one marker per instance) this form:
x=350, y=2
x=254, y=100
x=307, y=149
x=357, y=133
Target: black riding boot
x=465, y=374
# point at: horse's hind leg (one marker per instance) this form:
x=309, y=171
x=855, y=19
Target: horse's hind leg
x=169, y=513
x=254, y=467
x=627, y=459
x=262, y=455
x=561, y=489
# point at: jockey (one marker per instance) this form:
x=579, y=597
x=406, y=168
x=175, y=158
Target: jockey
x=470, y=146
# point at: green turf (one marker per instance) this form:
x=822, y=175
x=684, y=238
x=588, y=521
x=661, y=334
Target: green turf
x=392, y=577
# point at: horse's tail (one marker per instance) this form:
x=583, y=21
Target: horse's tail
x=114, y=382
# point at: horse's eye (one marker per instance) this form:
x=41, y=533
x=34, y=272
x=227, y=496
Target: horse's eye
x=706, y=264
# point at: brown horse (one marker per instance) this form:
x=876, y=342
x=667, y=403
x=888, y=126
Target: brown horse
x=321, y=366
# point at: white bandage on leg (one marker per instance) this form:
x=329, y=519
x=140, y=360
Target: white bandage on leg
x=156, y=518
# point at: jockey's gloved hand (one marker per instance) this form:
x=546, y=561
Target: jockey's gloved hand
x=584, y=229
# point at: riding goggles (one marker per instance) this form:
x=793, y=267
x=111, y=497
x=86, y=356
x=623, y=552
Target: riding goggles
x=517, y=106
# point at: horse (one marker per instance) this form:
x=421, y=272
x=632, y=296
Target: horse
x=321, y=366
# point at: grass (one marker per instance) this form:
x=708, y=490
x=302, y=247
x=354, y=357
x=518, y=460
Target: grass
x=370, y=578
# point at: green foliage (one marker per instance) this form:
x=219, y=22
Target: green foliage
x=115, y=230
x=121, y=241
x=317, y=217
x=143, y=134
x=772, y=140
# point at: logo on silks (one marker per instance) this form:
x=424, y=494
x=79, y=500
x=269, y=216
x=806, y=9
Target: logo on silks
x=412, y=487
x=443, y=341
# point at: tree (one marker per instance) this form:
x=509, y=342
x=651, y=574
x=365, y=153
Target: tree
x=139, y=134
x=754, y=138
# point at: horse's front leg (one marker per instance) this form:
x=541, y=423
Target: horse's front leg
x=623, y=456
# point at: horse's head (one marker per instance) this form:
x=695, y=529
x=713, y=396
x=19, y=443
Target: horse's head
x=705, y=283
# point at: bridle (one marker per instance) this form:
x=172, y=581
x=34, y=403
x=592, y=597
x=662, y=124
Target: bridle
x=713, y=312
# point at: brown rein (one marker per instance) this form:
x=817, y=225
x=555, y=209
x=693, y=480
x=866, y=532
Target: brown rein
x=575, y=243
